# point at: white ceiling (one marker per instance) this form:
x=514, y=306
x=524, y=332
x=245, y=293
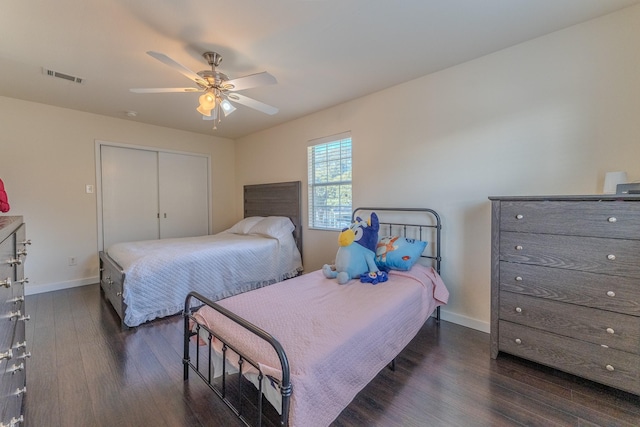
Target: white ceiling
x=322, y=52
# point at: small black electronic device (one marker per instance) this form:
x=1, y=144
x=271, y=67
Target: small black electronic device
x=630, y=188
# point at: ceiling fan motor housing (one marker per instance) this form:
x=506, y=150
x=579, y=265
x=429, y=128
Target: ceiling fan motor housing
x=214, y=59
x=214, y=78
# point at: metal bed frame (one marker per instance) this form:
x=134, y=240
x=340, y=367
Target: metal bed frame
x=405, y=227
x=222, y=387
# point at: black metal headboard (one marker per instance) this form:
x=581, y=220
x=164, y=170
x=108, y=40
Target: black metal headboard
x=276, y=199
x=417, y=223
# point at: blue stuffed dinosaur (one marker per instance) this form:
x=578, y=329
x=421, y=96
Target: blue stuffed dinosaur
x=356, y=255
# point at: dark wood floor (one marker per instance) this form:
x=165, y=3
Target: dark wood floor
x=86, y=371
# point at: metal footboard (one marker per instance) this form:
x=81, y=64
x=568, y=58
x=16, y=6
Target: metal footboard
x=223, y=386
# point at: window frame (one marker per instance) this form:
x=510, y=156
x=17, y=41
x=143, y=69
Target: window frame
x=339, y=214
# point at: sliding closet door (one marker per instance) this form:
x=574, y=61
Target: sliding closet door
x=184, y=195
x=129, y=194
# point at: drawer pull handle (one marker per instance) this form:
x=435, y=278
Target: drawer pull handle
x=519, y=216
x=518, y=279
x=6, y=283
x=610, y=331
x=14, y=422
x=611, y=294
x=25, y=356
x=610, y=368
x=15, y=314
x=16, y=368
x=20, y=391
x=22, y=252
x=6, y=355
x=26, y=242
x=23, y=281
x=119, y=294
x=519, y=248
x=14, y=261
x=20, y=345
x=518, y=310
x=518, y=341
x=611, y=257
x=16, y=299
x=25, y=318
x=612, y=219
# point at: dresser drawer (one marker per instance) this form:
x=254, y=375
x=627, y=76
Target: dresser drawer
x=619, y=331
x=7, y=373
x=111, y=283
x=611, y=219
x=6, y=332
x=598, y=255
x=613, y=293
x=7, y=252
x=21, y=250
x=606, y=365
x=13, y=391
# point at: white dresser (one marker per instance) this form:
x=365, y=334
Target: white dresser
x=565, y=284
x=13, y=352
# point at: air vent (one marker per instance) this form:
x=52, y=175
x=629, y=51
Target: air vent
x=59, y=75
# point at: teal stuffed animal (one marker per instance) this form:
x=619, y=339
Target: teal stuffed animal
x=357, y=252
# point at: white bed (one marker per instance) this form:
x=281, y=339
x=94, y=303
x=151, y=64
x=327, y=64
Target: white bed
x=145, y=280
x=159, y=273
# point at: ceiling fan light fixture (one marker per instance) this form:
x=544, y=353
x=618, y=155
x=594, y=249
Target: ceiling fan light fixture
x=207, y=100
x=204, y=111
x=227, y=107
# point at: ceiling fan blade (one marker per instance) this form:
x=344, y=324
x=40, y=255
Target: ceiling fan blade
x=178, y=67
x=165, y=90
x=252, y=80
x=252, y=103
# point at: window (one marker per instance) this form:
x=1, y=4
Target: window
x=329, y=164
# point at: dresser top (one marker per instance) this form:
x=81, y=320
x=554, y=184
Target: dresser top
x=574, y=198
x=8, y=224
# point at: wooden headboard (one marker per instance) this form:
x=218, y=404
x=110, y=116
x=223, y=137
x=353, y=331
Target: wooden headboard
x=276, y=199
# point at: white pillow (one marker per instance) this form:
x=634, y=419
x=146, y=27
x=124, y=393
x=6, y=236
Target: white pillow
x=243, y=226
x=273, y=226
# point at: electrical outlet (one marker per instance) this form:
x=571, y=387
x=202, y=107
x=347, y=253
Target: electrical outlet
x=72, y=260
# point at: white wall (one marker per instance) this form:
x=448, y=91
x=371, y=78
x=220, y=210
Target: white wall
x=549, y=116
x=46, y=159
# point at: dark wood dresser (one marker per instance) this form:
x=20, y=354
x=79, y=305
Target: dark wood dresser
x=565, y=284
x=13, y=351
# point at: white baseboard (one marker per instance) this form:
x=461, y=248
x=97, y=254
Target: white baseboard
x=465, y=321
x=48, y=287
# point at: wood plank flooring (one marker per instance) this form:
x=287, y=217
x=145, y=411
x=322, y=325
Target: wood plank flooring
x=86, y=371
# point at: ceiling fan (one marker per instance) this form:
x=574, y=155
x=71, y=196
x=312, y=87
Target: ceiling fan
x=218, y=89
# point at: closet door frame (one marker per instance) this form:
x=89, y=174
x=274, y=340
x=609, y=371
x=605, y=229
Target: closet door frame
x=98, y=188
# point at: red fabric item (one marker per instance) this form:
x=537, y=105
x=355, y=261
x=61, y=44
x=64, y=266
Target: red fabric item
x=4, y=201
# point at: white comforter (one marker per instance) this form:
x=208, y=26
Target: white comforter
x=160, y=273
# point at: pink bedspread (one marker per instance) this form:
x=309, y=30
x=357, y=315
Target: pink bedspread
x=336, y=337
